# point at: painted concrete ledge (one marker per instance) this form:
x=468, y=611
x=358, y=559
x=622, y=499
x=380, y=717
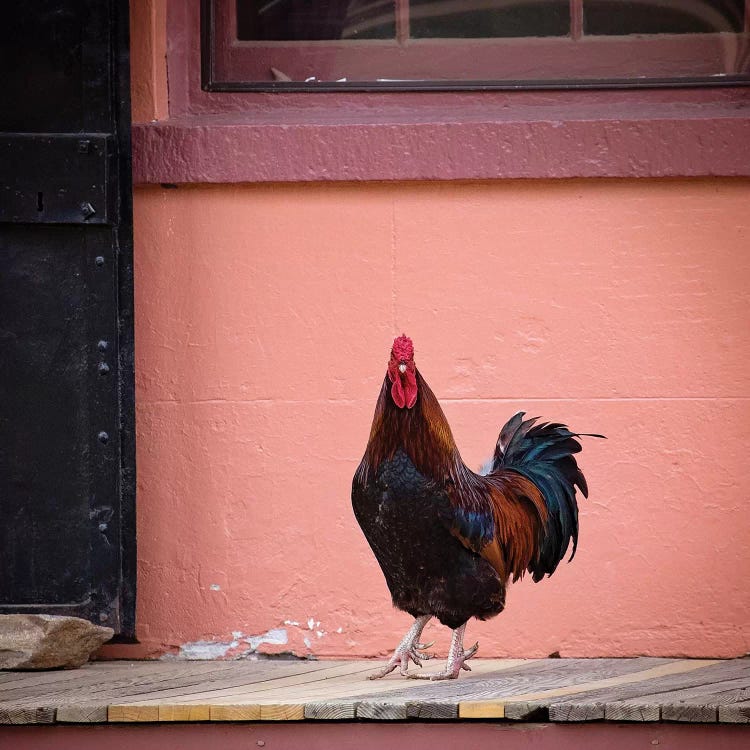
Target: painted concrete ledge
x=669, y=140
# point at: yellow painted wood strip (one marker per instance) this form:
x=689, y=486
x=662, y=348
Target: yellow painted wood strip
x=281, y=712
x=235, y=713
x=132, y=713
x=176, y=712
x=490, y=709
x=250, y=712
x=481, y=710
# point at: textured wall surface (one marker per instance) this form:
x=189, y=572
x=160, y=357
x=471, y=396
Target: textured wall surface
x=264, y=317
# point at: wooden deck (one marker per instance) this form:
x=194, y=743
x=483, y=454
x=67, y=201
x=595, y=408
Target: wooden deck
x=538, y=690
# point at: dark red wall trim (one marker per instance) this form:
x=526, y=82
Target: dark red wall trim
x=376, y=736
x=448, y=147
x=256, y=137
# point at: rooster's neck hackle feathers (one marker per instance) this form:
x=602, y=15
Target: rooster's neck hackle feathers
x=422, y=432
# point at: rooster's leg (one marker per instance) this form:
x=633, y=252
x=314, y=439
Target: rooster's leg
x=457, y=659
x=407, y=650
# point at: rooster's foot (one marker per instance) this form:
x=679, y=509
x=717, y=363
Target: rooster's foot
x=457, y=659
x=406, y=651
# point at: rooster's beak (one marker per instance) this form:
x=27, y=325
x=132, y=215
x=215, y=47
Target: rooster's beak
x=402, y=368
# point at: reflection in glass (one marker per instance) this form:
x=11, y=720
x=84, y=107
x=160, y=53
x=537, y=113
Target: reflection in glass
x=398, y=43
x=462, y=19
x=619, y=17
x=311, y=20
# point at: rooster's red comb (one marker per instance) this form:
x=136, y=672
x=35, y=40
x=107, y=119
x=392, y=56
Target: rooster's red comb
x=403, y=349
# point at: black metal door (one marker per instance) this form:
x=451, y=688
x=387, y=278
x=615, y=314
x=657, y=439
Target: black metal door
x=67, y=466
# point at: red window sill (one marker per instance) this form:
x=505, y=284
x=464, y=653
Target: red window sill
x=320, y=137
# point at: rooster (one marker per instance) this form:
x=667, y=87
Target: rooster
x=449, y=540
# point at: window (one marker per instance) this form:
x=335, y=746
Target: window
x=304, y=45
x=229, y=132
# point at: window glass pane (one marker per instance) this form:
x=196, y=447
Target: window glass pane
x=462, y=19
x=617, y=17
x=306, y=20
x=279, y=45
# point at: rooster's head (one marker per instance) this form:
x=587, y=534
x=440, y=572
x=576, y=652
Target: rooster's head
x=402, y=373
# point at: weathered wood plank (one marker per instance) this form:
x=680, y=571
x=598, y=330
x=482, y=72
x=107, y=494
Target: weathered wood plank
x=431, y=710
x=95, y=672
x=18, y=714
x=484, y=667
x=201, y=692
x=473, y=706
x=526, y=711
x=576, y=712
x=482, y=698
x=82, y=713
x=608, y=683
x=706, y=697
x=733, y=695
x=196, y=677
x=10, y=680
x=282, y=688
x=381, y=710
x=357, y=685
x=627, y=711
x=735, y=713
x=714, y=693
x=548, y=674
x=672, y=687
x=318, y=686
x=521, y=690
x=689, y=712
x=331, y=710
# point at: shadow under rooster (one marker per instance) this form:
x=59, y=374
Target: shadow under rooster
x=449, y=540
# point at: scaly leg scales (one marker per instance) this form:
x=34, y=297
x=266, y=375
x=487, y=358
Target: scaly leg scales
x=407, y=650
x=457, y=659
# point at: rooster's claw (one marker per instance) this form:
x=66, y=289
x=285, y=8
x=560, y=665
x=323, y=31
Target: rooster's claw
x=457, y=659
x=406, y=651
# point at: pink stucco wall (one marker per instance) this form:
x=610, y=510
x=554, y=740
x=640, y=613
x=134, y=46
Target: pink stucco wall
x=264, y=316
